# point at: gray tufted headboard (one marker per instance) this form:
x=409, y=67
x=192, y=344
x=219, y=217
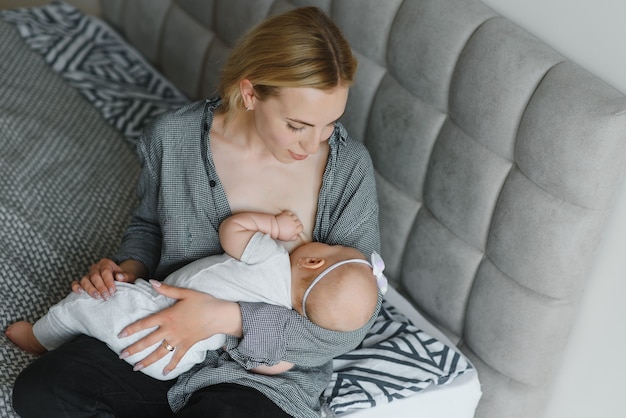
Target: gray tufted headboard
x=497, y=162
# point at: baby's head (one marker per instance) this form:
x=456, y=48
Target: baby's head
x=333, y=286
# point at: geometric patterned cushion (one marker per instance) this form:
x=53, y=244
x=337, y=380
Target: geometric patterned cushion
x=395, y=360
x=111, y=74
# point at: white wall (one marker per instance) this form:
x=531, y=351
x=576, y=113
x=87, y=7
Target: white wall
x=592, y=381
x=589, y=32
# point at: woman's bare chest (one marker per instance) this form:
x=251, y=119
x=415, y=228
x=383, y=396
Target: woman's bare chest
x=272, y=188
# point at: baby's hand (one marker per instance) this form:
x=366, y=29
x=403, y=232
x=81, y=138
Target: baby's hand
x=289, y=226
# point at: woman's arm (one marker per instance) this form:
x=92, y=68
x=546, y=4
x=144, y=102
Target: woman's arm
x=143, y=236
x=289, y=337
x=141, y=242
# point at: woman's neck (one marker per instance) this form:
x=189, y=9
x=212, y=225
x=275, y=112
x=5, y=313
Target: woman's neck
x=239, y=131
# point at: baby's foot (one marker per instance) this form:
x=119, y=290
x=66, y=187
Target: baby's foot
x=21, y=333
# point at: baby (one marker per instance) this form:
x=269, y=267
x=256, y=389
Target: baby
x=333, y=286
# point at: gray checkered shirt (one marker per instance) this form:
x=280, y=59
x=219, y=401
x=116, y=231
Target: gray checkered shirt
x=182, y=203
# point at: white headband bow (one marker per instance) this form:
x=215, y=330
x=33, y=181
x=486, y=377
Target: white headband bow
x=377, y=265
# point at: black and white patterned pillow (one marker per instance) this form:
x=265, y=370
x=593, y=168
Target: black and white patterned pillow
x=395, y=360
x=112, y=75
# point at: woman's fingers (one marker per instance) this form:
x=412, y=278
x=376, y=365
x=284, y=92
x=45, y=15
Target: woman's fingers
x=160, y=352
x=167, y=333
x=164, y=348
x=152, y=339
x=152, y=321
x=179, y=352
x=76, y=287
x=170, y=291
x=164, y=320
x=99, y=283
x=94, y=286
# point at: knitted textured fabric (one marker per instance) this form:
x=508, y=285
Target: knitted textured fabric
x=68, y=183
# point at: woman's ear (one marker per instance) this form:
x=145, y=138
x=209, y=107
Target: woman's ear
x=312, y=263
x=247, y=93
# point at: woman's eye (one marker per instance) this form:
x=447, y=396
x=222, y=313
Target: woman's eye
x=293, y=128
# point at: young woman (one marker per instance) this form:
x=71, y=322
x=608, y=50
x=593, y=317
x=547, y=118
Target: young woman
x=271, y=142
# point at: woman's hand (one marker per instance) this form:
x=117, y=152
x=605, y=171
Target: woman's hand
x=99, y=283
x=194, y=317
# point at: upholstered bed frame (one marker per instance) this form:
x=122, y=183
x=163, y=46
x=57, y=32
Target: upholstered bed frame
x=497, y=164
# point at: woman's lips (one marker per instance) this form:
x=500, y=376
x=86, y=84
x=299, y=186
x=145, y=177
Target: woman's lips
x=297, y=157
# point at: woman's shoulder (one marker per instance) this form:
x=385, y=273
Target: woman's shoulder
x=178, y=125
x=178, y=118
x=349, y=149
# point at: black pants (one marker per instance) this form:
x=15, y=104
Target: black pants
x=85, y=378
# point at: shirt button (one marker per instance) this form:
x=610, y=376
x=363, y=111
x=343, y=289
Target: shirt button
x=212, y=183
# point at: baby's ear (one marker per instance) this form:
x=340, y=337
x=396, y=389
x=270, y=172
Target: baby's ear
x=313, y=263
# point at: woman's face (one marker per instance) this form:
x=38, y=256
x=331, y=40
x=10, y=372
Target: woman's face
x=293, y=124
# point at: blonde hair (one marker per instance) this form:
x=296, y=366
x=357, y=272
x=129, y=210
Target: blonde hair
x=300, y=48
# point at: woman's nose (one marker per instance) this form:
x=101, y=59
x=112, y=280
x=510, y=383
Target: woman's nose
x=312, y=144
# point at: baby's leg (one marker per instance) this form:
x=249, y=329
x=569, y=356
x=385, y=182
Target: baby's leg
x=80, y=314
x=59, y=325
x=21, y=333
